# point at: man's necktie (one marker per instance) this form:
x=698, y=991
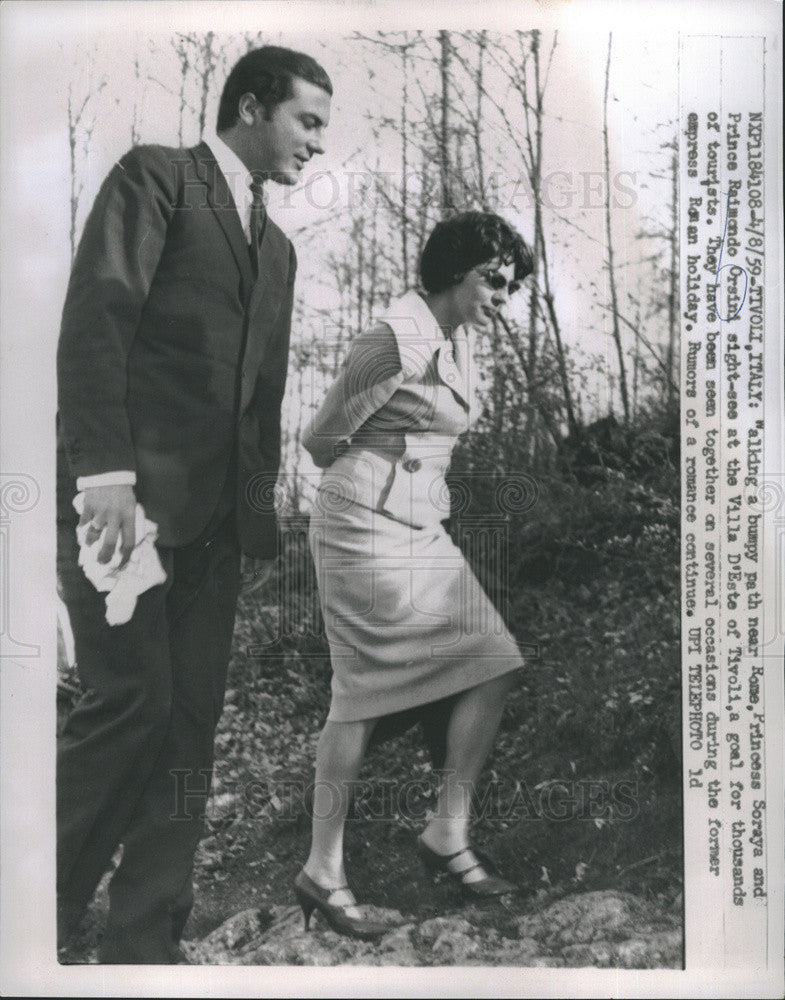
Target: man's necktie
x=258, y=217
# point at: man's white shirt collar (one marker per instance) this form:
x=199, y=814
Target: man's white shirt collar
x=237, y=177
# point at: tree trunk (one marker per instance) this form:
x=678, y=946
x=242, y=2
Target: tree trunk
x=208, y=65
x=76, y=121
x=135, y=114
x=611, y=273
x=182, y=53
x=444, y=142
x=373, y=253
x=478, y=151
x=535, y=175
x=75, y=187
x=404, y=219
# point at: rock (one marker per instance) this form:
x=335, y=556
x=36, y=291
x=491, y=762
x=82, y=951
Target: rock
x=632, y=954
x=398, y=940
x=454, y=949
x=546, y=962
x=227, y=944
x=513, y=952
x=452, y=940
x=286, y=942
x=599, y=929
x=434, y=928
x=599, y=954
x=657, y=951
x=587, y=917
x=528, y=946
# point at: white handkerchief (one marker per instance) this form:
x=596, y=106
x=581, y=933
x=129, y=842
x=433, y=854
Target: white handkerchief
x=142, y=571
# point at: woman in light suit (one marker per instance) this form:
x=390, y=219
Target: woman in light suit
x=407, y=622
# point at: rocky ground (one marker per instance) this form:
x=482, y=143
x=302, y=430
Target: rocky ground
x=602, y=929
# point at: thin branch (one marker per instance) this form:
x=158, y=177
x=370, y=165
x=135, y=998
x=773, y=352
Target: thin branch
x=611, y=274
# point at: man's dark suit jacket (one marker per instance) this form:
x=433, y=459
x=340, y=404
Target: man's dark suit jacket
x=171, y=348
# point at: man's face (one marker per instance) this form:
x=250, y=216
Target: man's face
x=293, y=133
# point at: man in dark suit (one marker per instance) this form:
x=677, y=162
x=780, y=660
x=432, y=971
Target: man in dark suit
x=171, y=368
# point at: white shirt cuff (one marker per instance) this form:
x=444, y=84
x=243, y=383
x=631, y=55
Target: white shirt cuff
x=120, y=478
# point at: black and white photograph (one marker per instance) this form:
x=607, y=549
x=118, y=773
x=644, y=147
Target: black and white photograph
x=392, y=499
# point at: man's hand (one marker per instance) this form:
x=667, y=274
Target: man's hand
x=255, y=573
x=113, y=508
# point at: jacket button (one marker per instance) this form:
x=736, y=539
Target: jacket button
x=411, y=465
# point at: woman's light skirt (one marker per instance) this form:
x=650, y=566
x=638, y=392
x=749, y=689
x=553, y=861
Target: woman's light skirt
x=406, y=618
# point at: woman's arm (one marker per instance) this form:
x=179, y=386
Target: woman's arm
x=370, y=375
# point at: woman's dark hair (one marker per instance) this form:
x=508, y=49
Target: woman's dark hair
x=460, y=243
x=267, y=73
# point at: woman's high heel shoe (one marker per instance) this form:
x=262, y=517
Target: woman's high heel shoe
x=312, y=897
x=483, y=888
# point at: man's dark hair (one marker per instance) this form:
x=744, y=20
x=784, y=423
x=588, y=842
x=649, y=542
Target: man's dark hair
x=267, y=73
x=464, y=241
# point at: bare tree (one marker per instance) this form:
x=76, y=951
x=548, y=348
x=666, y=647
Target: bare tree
x=444, y=144
x=138, y=99
x=609, y=239
x=404, y=224
x=80, y=131
x=182, y=46
x=206, y=72
x=199, y=56
x=528, y=78
x=373, y=254
x=482, y=42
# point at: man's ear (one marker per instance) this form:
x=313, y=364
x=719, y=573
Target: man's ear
x=246, y=108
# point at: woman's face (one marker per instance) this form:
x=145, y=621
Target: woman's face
x=476, y=301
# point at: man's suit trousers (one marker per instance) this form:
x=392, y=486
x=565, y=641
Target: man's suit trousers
x=135, y=756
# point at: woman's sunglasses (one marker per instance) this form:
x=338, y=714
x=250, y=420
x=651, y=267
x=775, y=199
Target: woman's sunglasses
x=497, y=280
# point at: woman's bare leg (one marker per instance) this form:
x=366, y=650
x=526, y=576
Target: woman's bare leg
x=339, y=757
x=470, y=735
